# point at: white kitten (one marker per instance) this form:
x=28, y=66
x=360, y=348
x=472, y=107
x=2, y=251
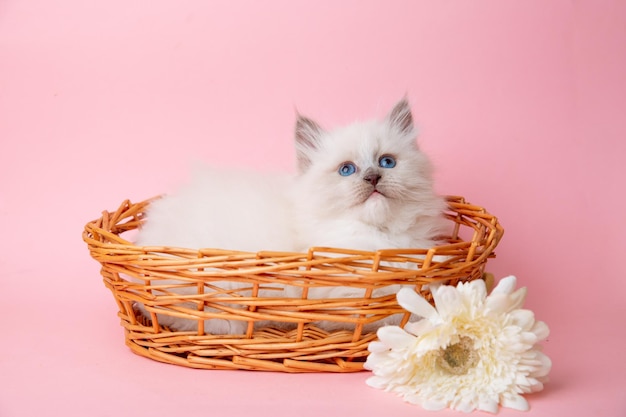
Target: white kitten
x=366, y=186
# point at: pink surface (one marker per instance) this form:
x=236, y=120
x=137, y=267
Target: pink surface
x=521, y=105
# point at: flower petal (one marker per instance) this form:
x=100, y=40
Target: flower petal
x=418, y=327
x=505, y=285
x=504, y=298
x=432, y=404
x=541, y=330
x=377, y=382
x=465, y=406
x=544, y=369
x=515, y=401
x=448, y=301
x=376, y=361
x=524, y=319
x=534, y=386
x=498, y=303
x=394, y=337
x=477, y=288
x=518, y=298
x=377, y=347
x=416, y=304
x=488, y=405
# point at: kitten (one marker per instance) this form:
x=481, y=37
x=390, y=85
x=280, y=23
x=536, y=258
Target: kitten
x=365, y=186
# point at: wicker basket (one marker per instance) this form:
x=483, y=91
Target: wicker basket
x=296, y=344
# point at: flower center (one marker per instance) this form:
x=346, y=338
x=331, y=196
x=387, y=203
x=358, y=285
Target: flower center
x=458, y=358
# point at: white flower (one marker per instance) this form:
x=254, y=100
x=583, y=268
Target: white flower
x=472, y=351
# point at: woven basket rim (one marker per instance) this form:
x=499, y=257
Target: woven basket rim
x=136, y=211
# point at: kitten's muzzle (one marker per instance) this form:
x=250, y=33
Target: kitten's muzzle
x=372, y=177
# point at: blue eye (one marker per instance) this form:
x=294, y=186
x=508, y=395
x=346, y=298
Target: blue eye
x=387, y=161
x=346, y=169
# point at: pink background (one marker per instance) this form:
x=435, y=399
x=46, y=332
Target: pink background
x=520, y=104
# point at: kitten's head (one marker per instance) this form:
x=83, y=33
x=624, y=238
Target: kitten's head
x=367, y=171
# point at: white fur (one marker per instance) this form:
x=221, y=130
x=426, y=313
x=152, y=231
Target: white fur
x=317, y=207
x=223, y=209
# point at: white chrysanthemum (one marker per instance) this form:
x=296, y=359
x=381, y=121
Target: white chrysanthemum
x=472, y=351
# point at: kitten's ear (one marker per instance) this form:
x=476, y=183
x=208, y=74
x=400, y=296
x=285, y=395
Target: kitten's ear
x=400, y=116
x=308, y=136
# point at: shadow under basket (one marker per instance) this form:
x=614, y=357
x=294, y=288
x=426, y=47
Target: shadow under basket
x=295, y=333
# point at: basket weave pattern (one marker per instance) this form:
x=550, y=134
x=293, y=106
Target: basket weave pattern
x=293, y=341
